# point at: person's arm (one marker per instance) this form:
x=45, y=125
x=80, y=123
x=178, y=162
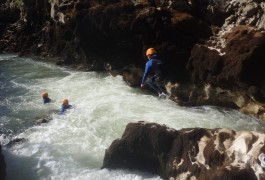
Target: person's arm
x=147, y=67
x=61, y=110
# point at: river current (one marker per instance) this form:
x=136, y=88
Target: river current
x=72, y=146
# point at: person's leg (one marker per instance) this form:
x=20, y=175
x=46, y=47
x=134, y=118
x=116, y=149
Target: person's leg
x=152, y=84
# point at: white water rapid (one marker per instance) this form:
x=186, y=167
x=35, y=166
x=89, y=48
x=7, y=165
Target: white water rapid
x=72, y=146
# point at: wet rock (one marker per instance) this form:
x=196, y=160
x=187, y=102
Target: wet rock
x=2, y=165
x=131, y=74
x=255, y=109
x=60, y=62
x=43, y=120
x=197, y=95
x=194, y=95
x=143, y=146
x=15, y=141
x=188, y=153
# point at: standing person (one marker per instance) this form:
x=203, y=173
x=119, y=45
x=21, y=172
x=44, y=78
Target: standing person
x=45, y=98
x=153, y=73
x=65, y=105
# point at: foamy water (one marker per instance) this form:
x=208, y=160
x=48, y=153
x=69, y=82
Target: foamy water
x=72, y=146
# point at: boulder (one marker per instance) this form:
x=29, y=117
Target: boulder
x=131, y=74
x=43, y=120
x=193, y=153
x=143, y=146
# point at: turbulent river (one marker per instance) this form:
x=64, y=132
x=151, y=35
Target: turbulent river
x=72, y=145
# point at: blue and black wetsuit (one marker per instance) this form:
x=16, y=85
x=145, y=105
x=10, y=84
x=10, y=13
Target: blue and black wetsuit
x=63, y=108
x=46, y=100
x=153, y=74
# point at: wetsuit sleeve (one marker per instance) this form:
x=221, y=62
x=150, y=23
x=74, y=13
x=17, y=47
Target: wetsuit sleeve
x=147, y=67
x=61, y=110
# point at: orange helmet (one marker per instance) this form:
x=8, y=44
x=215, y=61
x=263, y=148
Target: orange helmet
x=44, y=94
x=150, y=51
x=65, y=101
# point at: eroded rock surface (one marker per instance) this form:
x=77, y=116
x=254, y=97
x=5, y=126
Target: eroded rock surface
x=194, y=153
x=228, y=68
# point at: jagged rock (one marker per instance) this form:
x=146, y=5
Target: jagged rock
x=246, y=12
x=233, y=57
x=79, y=30
x=232, y=60
x=131, y=74
x=241, y=61
x=194, y=153
x=15, y=141
x=87, y=34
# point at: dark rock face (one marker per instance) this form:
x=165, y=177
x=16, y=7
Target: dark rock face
x=188, y=153
x=241, y=61
x=244, y=56
x=213, y=50
x=8, y=15
x=27, y=34
x=115, y=32
x=227, y=70
x=2, y=165
x=142, y=146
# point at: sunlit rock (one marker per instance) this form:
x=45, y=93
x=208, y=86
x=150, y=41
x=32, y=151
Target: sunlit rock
x=194, y=153
x=232, y=60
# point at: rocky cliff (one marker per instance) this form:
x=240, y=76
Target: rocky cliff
x=213, y=49
x=196, y=153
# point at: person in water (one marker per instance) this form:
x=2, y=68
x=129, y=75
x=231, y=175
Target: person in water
x=45, y=98
x=153, y=73
x=65, y=105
